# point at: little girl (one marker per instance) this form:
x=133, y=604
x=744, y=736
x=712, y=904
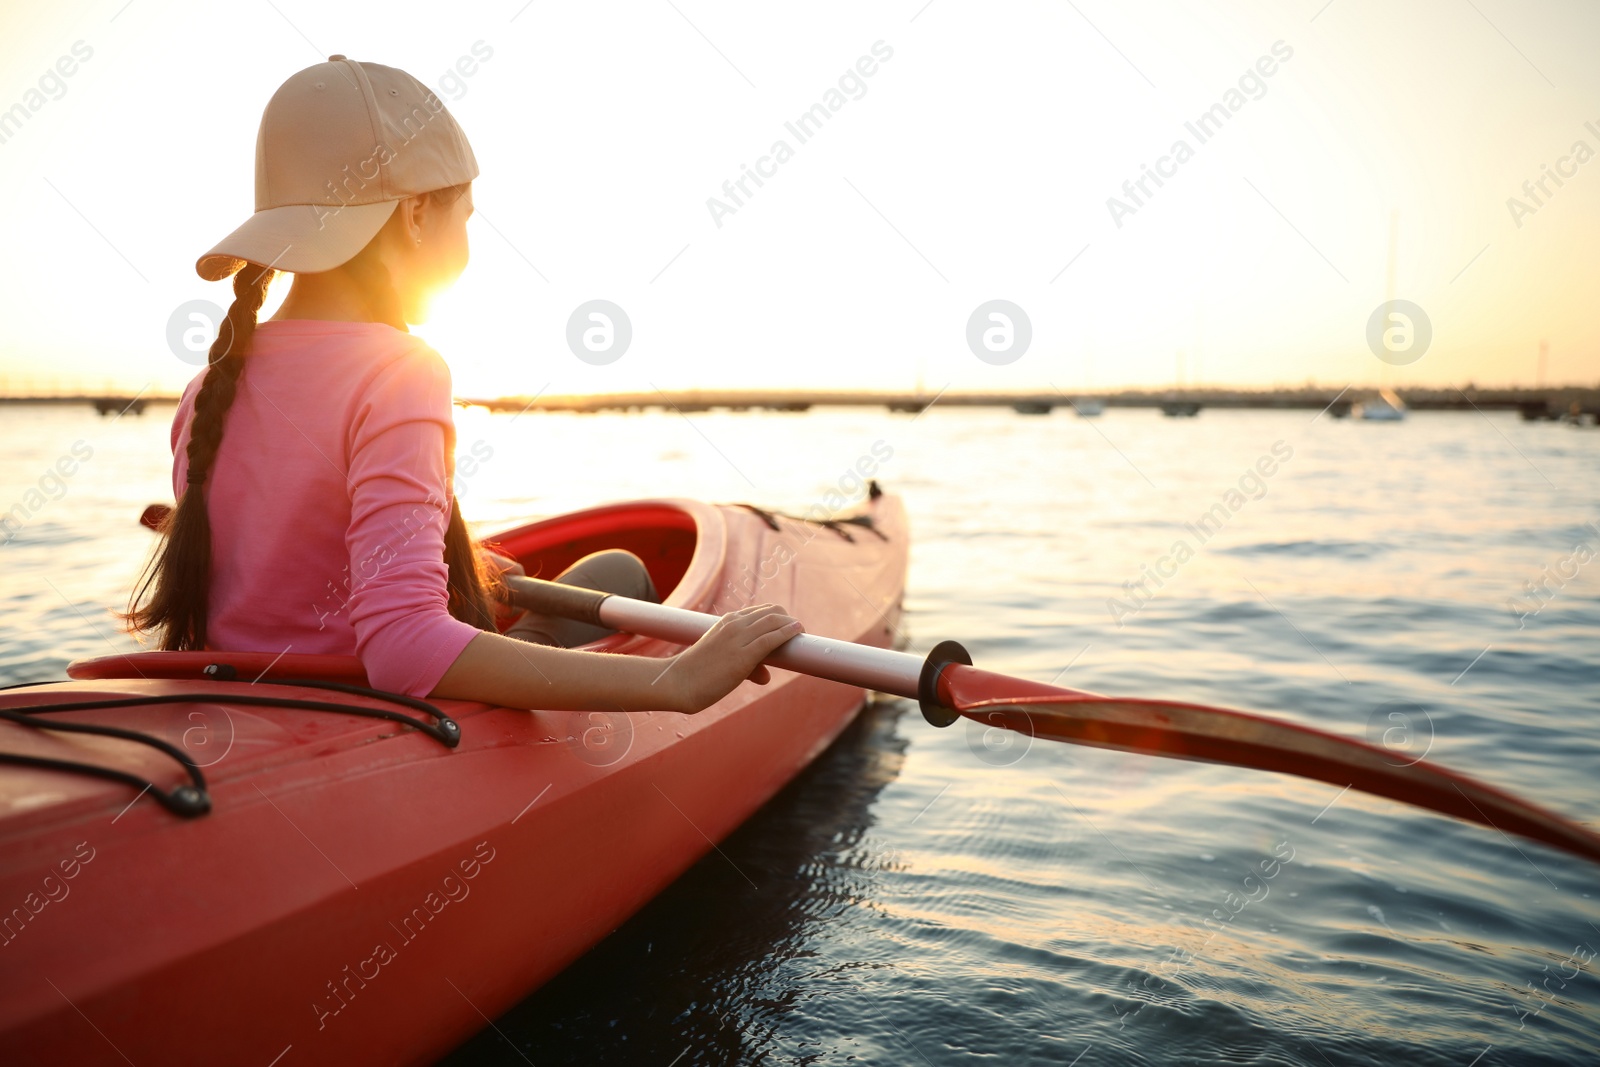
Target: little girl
x=313, y=454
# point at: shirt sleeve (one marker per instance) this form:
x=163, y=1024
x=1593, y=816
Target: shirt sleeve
x=401, y=438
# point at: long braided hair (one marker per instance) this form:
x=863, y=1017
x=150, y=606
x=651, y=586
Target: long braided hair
x=171, y=597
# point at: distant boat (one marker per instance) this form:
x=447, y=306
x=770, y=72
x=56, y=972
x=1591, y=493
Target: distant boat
x=1088, y=407
x=1032, y=407
x=1180, y=409
x=1385, y=407
x=109, y=405
x=1538, y=411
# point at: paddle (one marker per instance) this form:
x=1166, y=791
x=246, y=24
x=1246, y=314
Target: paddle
x=947, y=687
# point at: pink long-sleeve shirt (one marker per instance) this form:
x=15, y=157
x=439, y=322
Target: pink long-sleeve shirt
x=329, y=500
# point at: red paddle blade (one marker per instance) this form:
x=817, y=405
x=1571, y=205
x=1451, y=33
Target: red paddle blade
x=1217, y=735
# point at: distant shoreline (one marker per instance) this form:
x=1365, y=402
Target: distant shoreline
x=1555, y=399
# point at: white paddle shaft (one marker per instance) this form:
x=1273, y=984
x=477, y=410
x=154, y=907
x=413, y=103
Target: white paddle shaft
x=841, y=661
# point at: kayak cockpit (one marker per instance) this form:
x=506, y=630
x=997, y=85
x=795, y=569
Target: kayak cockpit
x=680, y=541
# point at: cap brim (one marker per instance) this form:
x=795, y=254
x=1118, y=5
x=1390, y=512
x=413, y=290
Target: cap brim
x=300, y=239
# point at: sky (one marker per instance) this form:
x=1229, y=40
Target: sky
x=983, y=159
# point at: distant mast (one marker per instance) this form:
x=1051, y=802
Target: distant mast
x=1388, y=286
x=1394, y=254
x=1387, y=405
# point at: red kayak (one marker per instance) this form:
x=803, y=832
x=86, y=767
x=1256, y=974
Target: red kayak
x=344, y=877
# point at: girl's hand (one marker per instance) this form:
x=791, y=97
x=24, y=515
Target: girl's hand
x=729, y=653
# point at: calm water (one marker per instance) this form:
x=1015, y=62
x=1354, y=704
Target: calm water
x=946, y=896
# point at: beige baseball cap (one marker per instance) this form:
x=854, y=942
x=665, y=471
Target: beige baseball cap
x=340, y=144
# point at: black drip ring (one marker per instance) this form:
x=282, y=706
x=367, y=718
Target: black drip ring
x=941, y=656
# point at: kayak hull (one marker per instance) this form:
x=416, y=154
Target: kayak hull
x=360, y=893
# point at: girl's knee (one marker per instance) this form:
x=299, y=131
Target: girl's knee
x=612, y=570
